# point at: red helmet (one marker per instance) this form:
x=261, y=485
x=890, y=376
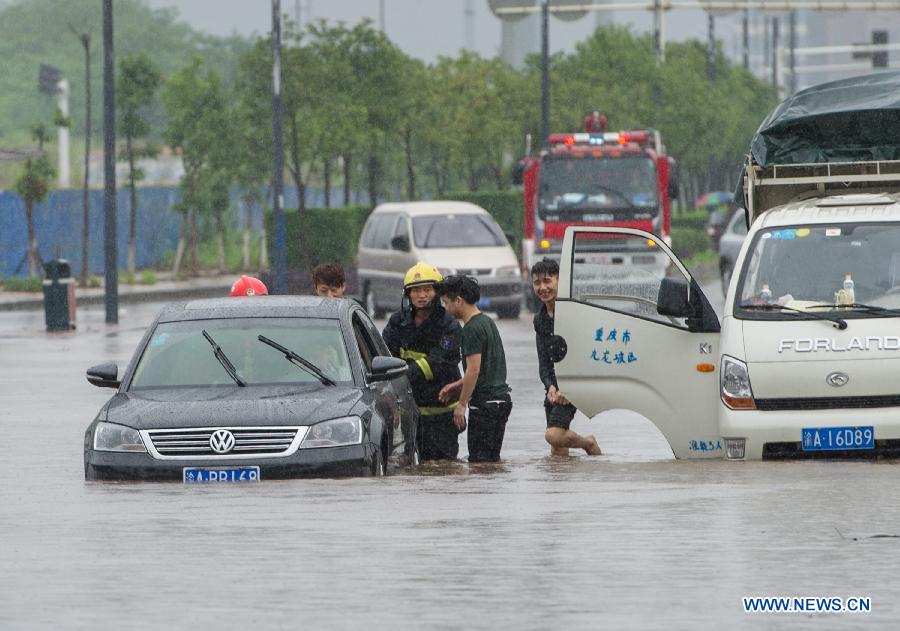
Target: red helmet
x=248, y=286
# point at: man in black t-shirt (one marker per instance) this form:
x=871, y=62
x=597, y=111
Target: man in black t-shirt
x=545, y=281
x=483, y=388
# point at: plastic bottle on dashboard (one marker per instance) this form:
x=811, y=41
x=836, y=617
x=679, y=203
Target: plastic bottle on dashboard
x=848, y=287
x=765, y=293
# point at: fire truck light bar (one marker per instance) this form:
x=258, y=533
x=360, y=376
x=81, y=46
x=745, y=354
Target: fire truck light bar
x=641, y=137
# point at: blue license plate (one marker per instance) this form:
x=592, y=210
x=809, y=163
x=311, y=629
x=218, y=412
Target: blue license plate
x=835, y=438
x=194, y=475
x=484, y=303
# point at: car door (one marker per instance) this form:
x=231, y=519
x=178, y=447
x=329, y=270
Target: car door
x=623, y=353
x=385, y=400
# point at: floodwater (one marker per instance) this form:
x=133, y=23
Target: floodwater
x=633, y=539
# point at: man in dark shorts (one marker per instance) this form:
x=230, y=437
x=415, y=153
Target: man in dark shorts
x=545, y=282
x=483, y=388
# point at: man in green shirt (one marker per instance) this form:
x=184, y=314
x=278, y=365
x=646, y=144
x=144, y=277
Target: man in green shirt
x=483, y=388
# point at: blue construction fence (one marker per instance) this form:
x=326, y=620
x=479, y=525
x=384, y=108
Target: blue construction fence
x=58, y=226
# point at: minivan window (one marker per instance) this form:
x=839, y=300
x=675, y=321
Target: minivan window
x=379, y=230
x=457, y=231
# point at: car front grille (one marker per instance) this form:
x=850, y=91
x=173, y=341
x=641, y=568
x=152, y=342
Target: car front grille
x=481, y=271
x=195, y=442
x=496, y=290
x=829, y=403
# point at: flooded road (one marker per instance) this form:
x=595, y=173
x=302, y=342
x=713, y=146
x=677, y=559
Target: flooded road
x=632, y=539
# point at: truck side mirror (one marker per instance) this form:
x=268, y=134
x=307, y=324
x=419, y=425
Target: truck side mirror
x=518, y=173
x=678, y=299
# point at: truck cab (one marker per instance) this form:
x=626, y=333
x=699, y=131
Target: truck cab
x=804, y=362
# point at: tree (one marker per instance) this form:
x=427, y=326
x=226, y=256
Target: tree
x=33, y=186
x=135, y=88
x=198, y=129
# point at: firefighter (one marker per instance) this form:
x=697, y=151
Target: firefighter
x=428, y=338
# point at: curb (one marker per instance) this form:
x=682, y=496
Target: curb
x=129, y=297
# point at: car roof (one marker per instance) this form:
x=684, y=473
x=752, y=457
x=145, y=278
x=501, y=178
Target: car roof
x=856, y=208
x=438, y=207
x=257, y=307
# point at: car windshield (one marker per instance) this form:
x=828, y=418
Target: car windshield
x=822, y=268
x=620, y=187
x=178, y=355
x=457, y=231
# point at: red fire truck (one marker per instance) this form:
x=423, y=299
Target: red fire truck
x=598, y=178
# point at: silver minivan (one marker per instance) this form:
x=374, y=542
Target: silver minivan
x=455, y=237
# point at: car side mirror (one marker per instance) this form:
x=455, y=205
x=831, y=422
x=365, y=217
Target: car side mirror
x=509, y=237
x=104, y=375
x=386, y=368
x=679, y=299
x=400, y=242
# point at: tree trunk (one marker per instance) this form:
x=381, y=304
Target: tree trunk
x=133, y=215
x=220, y=240
x=195, y=266
x=347, y=164
x=245, y=250
x=327, y=177
x=373, y=179
x=410, y=167
x=85, y=197
x=263, y=250
x=33, y=263
x=179, y=251
x=472, y=177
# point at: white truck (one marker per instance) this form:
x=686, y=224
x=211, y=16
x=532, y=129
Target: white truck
x=806, y=361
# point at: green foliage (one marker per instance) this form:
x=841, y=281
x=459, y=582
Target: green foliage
x=16, y=283
x=688, y=242
x=505, y=206
x=38, y=31
x=126, y=277
x=33, y=184
x=148, y=277
x=695, y=220
x=332, y=234
x=136, y=87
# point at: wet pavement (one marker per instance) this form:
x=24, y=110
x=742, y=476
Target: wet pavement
x=632, y=539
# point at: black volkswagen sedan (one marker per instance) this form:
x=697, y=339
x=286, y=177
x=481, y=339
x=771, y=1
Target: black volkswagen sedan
x=244, y=389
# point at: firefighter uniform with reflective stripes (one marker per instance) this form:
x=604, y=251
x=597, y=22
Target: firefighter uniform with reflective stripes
x=431, y=351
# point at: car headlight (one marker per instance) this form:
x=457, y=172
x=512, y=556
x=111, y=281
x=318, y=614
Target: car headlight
x=735, y=380
x=509, y=271
x=334, y=433
x=112, y=437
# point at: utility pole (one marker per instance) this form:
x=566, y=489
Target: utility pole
x=776, y=41
x=109, y=169
x=659, y=46
x=278, y=154
x=85, y=39
x=545, y=71
x=745, y=38
x=792, y=43
x=710, y=47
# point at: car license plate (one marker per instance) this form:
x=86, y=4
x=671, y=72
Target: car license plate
x=833, y=438
x=484, y=303
x=220, y=474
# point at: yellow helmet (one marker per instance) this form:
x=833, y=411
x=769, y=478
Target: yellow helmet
x=421, y=274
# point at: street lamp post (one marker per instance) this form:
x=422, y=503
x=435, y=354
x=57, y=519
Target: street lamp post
x=545, y=71
x=280, y=286
x=109, y=170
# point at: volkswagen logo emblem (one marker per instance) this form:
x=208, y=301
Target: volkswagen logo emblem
x=222, y=441
x=837, y=379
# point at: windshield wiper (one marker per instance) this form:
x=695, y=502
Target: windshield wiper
x=839, y=323
x=223, y=359
x=298, y=361
x=861, y=306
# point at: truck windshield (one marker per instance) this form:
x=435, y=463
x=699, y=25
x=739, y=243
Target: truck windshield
x=850, y=269
x=607, y=187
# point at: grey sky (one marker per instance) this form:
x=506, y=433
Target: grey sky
x=422, y=28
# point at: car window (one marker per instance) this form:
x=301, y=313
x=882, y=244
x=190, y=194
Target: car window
x=401, y=229
x=178, y=355
x=457, y=231
x=381, y=232
x=367, y=349
x=739, y=223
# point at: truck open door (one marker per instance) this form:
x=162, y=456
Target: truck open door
x=638, y=341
